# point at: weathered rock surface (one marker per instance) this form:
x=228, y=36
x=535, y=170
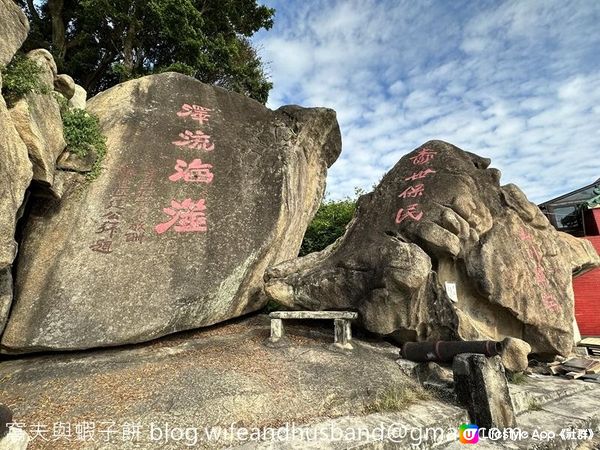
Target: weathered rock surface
x=79, y=98
x=514, y=354
x=177, y=232
x=38, y=121
x=212, y=377
x=15, y=176
x=65, y=85
x=45, y=60
x=13, y=31
x=481, y=386
x=439, y=250
x=76, y=163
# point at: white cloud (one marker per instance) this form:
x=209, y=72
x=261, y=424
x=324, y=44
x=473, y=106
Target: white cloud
x=515, y=81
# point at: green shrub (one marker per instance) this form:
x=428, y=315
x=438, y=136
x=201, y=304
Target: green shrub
x=82, y=132
x=20, y=77
x=328, y=224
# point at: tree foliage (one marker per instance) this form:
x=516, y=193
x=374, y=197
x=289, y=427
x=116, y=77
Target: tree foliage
x=328, y=224
x=103, y=42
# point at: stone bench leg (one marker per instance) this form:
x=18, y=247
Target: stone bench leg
x=342, y=333
x=276, y=330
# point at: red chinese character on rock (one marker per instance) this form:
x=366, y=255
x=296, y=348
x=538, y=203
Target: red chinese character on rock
x=550, y=302
x=540, y=275
x=196, y=112
x=194, y=172
x=188, y=215
x=423, y=157
x=410, y=213
x=195, y=140
x=419, y=175
x=524, y=234
x=102, y=246
x=413, y=191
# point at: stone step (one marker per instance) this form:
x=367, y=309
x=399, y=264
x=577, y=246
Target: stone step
x=545, y=389
x=579, y=411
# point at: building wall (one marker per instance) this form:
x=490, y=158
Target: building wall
x=587, y=297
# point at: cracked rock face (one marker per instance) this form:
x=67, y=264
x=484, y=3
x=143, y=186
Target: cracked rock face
x=202, y=189
x=439, y=250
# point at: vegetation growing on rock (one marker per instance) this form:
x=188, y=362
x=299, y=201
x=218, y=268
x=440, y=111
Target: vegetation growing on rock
x=328, y=225
x=82, y=133
x=20, y=77
x=397, y=398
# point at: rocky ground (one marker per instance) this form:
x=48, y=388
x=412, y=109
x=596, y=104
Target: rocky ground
x=226, y=375
x=215, y=377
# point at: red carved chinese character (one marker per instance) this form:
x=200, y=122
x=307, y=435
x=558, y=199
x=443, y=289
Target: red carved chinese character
x=196, y=112
x=195, y=140
x=535, y=254
x=411, y=212
x=524, y=234
x=195, y=172
x=135, y=233
x=423, y=157
x=413, y=191
x=550, y=302
x=419, y=175
x=188, y=215
x=540, y=275
x=102, y=246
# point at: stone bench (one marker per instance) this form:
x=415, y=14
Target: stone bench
x=341, y=321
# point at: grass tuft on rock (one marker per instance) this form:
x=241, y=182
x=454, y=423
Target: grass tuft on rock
x=517, y=378
x=534, y=405
x=20, y=77
x=397, y=398
x=82, y=133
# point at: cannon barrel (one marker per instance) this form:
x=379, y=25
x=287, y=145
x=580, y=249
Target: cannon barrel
x=445, y=351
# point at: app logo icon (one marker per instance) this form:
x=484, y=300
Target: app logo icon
x=468, y=434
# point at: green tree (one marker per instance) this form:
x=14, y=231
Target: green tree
x=328, y=224
x=103, y=42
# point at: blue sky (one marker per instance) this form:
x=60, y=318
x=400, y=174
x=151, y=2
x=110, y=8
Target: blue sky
x=516, y=81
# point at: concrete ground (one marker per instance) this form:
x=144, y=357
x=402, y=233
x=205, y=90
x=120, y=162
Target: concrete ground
x=224, y=388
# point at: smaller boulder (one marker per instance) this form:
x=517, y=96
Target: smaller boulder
x=514, y=354
x=65, y=85
x=481, y=387
x=45, y=60
x=78, y=100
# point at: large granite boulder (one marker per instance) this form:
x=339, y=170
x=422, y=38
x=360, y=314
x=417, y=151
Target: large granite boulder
x=13, y=31
x=439, y=250
x=202, y=189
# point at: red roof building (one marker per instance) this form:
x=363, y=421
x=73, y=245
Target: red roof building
x=578, y=213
